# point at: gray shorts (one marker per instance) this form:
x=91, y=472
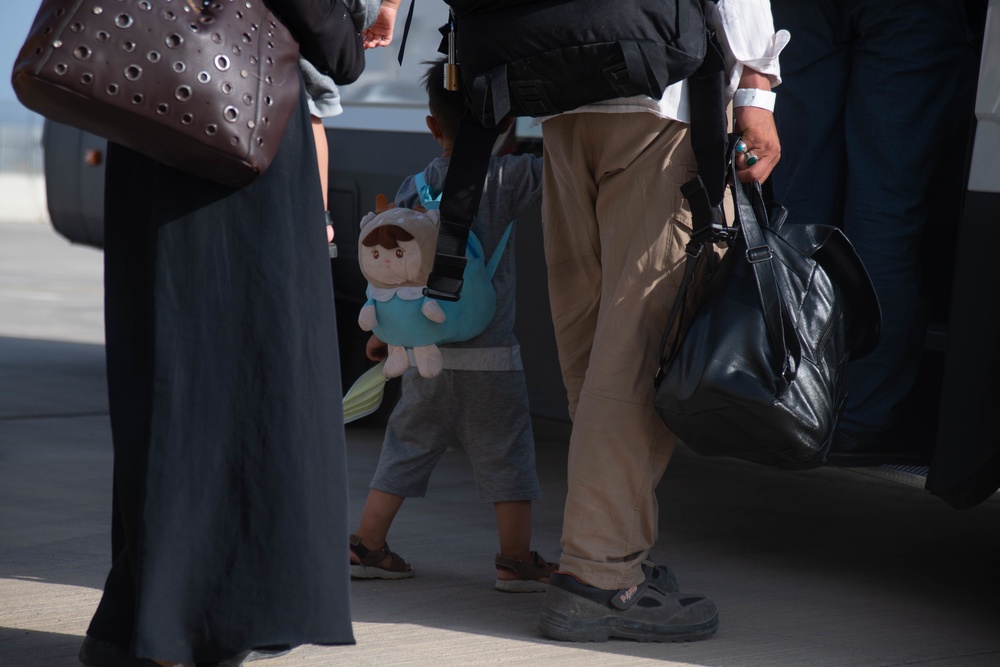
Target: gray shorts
x=486, y=413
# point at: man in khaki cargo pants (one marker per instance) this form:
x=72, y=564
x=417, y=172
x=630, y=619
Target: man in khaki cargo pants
x=615, y=228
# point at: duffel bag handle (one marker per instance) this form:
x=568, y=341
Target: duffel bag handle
x=749, y=204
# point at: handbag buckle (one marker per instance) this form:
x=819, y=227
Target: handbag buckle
x=761, y=253
x=708, y=220
x=693, y=249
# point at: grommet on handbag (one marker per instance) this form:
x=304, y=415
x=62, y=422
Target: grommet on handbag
x=758, y=370
x=205, y=87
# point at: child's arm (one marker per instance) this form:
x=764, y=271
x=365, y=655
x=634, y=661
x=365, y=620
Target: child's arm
x=322, y=154
x=324, y=101
x=375, y=349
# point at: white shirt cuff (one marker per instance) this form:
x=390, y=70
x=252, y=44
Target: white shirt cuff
x=746, y=34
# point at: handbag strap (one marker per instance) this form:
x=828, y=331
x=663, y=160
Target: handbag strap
x=677, y=310
x=705, y=191
x=750, y=209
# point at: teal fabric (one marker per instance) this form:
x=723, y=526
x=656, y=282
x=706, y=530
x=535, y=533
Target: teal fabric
x=400, y=321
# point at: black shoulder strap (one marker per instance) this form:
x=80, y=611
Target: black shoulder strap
x=463, y=186
x=463, y=189
x=709, y=132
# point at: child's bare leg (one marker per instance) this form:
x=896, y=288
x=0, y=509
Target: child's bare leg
x=376, y=519
x=514, y=528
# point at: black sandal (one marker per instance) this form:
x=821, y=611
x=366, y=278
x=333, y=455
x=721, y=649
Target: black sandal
x=371, y=561
x=529, y=574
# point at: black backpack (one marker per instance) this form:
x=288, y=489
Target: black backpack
x=543, y=57
x=524, y=58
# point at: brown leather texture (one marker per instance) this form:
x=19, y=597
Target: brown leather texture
x=205, y=87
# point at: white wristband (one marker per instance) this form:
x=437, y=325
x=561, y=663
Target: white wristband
x=754, y=97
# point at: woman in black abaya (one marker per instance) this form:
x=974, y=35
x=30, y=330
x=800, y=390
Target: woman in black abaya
x=229, y=522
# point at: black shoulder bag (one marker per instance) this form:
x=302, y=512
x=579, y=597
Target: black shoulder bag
x=758, y=373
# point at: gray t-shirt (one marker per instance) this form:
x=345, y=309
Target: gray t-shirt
x=513, y=182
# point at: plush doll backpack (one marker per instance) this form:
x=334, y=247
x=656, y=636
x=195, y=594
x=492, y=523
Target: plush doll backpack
x=396, y=252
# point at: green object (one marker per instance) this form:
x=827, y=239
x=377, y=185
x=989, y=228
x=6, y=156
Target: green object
x=365, y=395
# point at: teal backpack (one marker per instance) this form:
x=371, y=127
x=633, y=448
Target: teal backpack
x=401, y=322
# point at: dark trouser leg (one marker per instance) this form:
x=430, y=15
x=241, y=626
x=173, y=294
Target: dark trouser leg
x=870, y=93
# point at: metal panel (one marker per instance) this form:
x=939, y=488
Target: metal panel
x=984, y=173
x=74, y=180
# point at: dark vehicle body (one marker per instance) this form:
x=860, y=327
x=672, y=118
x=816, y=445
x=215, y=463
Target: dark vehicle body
x=377, y=143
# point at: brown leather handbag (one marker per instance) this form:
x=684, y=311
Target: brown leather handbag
x=206, y=87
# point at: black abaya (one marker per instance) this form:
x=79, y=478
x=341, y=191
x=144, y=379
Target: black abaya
x=230, y=523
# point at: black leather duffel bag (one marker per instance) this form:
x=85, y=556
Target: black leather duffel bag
x=759, y=372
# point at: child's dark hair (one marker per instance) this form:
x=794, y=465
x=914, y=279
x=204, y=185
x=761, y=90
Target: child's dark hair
x=447, y=106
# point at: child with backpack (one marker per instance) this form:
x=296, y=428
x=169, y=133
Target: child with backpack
x=479, y=400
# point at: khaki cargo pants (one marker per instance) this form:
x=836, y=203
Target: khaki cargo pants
x=615, y=227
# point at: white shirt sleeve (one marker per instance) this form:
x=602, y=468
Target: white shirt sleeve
x=745, y=30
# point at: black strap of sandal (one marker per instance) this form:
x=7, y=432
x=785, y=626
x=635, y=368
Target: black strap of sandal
x=523, y=569
x=374, y=558
x=357, y=547
x=366, y=555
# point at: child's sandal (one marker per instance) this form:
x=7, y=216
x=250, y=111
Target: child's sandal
x=529, y=574
x=370, y=566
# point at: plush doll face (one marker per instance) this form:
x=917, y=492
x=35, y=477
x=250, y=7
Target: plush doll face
x=391, y=256
x=396, y=245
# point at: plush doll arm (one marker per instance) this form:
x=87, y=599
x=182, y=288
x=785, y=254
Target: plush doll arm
x=367, y=319
x=432, y=310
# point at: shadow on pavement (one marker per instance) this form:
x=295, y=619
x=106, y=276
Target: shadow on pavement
x=31, y=648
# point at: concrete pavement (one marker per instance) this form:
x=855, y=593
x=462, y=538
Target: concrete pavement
x=825, y=567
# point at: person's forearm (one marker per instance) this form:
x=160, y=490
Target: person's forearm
x=322, y=155
x=746, y=34
x=753, y=79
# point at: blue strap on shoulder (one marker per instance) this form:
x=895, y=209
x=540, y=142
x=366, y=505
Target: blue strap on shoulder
x=495, y=259
x=432, y=202
x=427, y=198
